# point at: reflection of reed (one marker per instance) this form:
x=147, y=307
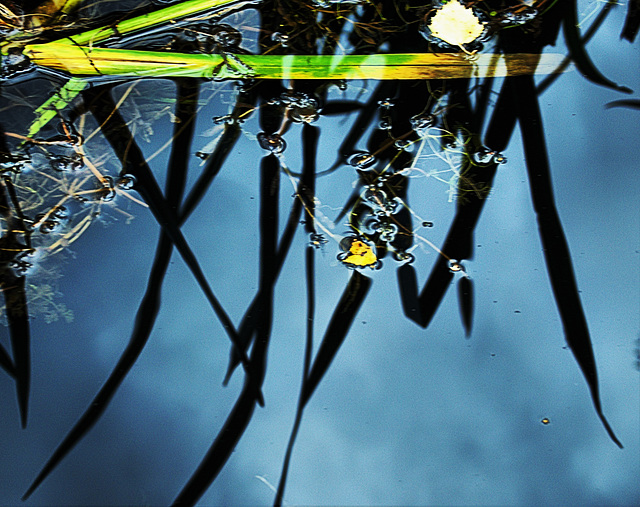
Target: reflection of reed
x=379, y=213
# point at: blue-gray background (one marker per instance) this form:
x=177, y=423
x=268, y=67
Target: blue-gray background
x=405, y=416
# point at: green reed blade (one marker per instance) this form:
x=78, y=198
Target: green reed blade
x=58, y=101
x=166, y=15
x=84, y=61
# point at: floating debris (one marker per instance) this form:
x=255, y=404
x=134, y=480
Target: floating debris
x=356, y=253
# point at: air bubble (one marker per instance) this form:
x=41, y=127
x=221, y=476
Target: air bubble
x=427, y=224
x=271, y=142
x=384, y=125
x=126, y=182
x=386, y=103
x=361, y=160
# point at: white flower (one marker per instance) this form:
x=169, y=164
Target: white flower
x=456, y=24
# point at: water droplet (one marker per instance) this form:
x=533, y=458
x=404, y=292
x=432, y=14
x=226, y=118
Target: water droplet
x=14, y=62
x=281, y=38
x=64, y=163
x=60, y=213
x=361, y=159
x=379, y=202
x=126, y=182
x=48, y=226
x=107, y=191
x=225, y=36
x=226, y=119
x=427, y=224
x=524, y=15
x=14, y=163
x=202, y=155
x=401, y=256
x=384, y=125
x=387, y=231
x=302, y=107
x=20, y=267
x=499, y=158
x=404, y=145
x=483, y=155
x=271, y=142
x=422, y=121
x=455, y=266
x=317, y=240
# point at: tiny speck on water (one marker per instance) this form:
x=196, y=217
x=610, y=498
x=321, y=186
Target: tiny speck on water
x=545, y=421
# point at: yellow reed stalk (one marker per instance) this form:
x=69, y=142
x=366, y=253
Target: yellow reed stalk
x=83, y=61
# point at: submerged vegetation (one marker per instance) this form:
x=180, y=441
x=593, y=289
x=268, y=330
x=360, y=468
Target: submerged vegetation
x=436, y=109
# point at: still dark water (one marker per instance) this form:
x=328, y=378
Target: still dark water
x=405, y=415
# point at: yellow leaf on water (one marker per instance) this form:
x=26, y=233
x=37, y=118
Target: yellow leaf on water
x=456, y=24
x=360, y=254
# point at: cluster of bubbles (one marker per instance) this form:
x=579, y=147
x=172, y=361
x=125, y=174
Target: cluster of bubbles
x=302, y=108
x=378, y=200
x=271, y=142
x=378, y=220
x=514, y=18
